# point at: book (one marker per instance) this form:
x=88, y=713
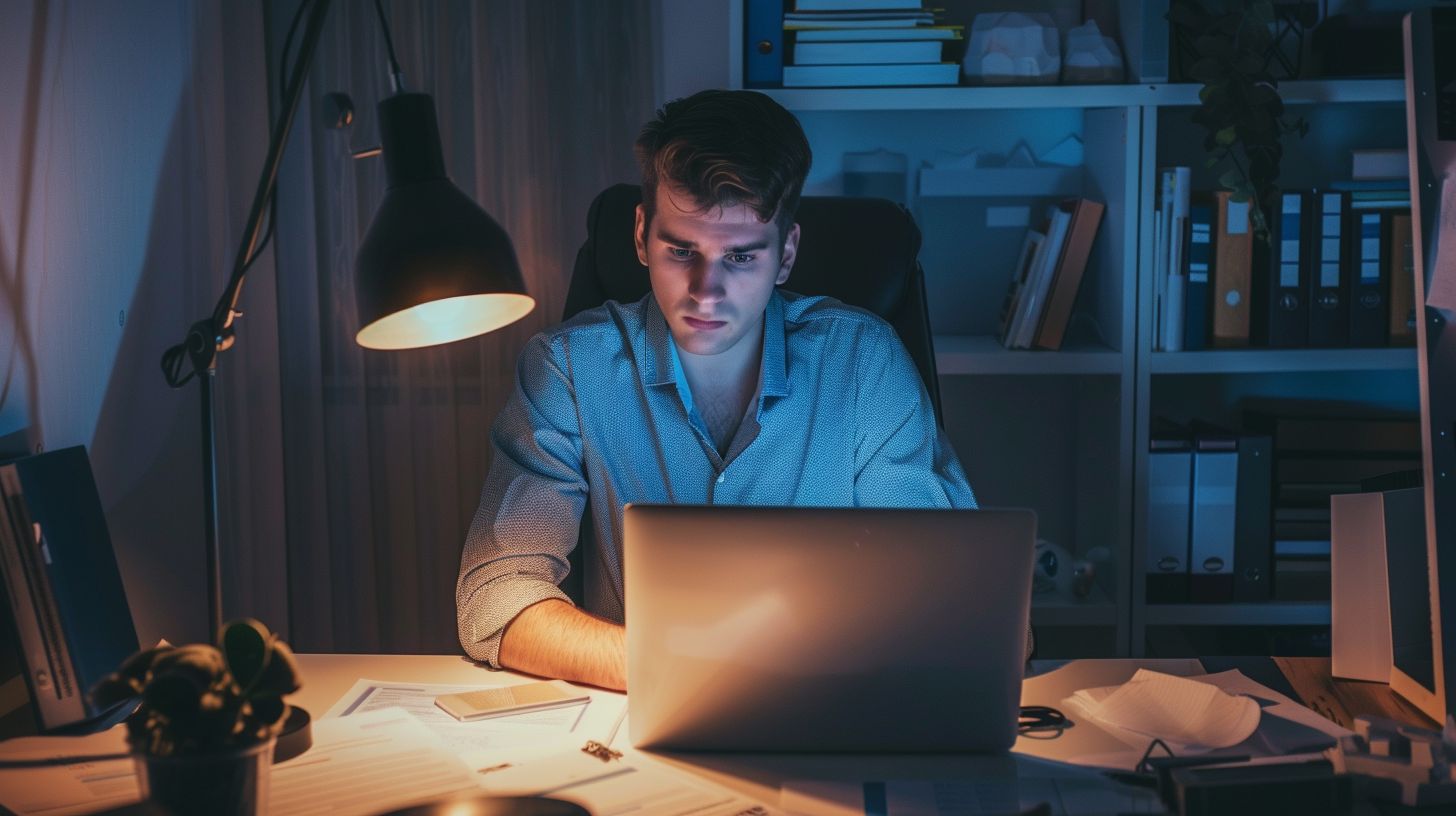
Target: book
x=1379, y=163
x=1012, y=302
x=1233, y=267
x=1282, y=275
x=1038, y=283
x=763, y=43
x=1177, y=245
x=1329, y=279
x=1253, y=568
x=1400, y=261
x=1170, y=485
x=849, y=76
x=867, y=53
x=1086, y=216
x=1370, y=283
x=1198, y=298
x=1162, y=219
x=857, y=5
x=938, y=32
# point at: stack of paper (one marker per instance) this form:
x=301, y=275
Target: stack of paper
x=1186, y=714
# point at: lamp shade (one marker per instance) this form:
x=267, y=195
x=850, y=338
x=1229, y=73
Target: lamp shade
x=434, y=267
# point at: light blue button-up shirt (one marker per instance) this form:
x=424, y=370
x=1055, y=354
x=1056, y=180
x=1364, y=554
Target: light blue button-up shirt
x=601, y=408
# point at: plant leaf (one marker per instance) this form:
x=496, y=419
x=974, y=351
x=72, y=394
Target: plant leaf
x=280, y=676
x=1227, y=136
x=247, y=646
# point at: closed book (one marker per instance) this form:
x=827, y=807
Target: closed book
x=852, y=76
x=1400, y=260
x=1030, y=249
x=1170, y=485
x=1177, y=232
x=763, y=43
x=1329, y=280
x=1038, y=282
x=1212, y=522
x=1282, y=275
x=1253, y=567
x=1233, y=270
x=1370, y=284
x=866, y=53
x=76, y=587
x=1086, y=215
x=943, y=32
x=1197, y=294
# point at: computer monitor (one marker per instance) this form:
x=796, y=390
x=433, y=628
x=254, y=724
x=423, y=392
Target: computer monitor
x=1425, y=668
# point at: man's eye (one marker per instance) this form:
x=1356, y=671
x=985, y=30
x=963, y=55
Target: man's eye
x=740, y=258
x=679, y=253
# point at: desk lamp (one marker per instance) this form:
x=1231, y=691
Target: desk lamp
x=433, y=268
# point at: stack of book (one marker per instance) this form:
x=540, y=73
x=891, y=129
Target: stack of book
x=1047, y=275
x=1316, y=458
x=856, y=43
x=1336, y=272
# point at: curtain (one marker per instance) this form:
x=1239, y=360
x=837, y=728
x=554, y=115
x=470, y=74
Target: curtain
x=384, y=453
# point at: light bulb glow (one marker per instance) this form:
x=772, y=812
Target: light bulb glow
x=444, y=321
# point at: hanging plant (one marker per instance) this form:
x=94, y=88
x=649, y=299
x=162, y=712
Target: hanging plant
x=1240, y=108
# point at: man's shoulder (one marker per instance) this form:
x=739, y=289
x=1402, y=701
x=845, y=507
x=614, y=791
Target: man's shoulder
x=820, y=313
x=610, y=325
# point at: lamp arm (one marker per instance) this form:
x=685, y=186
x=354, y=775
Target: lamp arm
x=213, y=334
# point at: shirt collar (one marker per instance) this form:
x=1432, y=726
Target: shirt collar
x=657, y=354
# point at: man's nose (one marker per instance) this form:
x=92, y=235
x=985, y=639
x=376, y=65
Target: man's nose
x=706, y=283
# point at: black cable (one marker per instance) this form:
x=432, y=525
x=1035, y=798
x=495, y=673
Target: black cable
x=288, y=46
x=1042, y=722
x=394, y=71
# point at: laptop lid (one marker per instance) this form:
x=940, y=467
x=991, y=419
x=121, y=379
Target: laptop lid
x=810, y=629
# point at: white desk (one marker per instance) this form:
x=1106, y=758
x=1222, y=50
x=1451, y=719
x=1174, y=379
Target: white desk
x=759, y=776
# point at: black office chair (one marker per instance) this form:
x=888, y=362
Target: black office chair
x=862, y=251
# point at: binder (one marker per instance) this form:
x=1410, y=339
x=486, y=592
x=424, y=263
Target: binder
x=1233, y=269
x=1170, y=469
x=1329, y=307
x=1197, y=298
x=1401, y=266
x=1370, y=284
x=55, y=541
x=1284, y=268
x=763, y=43
x=1212, y=521
x=1253, y=513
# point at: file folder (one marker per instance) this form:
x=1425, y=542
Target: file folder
x=1284, y=267
x=1369, y=309
x=1170, y=467
x=1329, y=309
x=1211, y=524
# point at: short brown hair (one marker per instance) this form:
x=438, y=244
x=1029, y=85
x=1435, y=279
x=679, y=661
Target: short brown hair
x=726, y=148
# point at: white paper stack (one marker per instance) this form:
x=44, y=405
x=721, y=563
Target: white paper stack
x=1187, y=714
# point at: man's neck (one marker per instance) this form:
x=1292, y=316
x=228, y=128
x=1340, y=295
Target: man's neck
x=723, y=385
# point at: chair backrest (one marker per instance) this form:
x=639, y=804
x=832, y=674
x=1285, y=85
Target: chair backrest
x=862, y=251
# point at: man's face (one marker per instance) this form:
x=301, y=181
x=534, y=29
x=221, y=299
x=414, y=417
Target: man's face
x=712, y=271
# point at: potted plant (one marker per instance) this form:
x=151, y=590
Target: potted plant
x=1240, y=108
x=208, y=718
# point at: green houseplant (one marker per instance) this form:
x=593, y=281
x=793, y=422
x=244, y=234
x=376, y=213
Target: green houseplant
x=1240, y=108
x=208, y=718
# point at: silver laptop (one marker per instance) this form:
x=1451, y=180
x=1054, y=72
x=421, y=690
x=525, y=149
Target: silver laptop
x=799, y=629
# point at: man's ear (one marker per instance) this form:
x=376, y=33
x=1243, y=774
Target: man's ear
x=639, y=235
x=791, y=251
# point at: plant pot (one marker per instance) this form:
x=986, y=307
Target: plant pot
x=224, y=783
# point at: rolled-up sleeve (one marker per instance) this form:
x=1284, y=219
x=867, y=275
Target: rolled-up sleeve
x=901, y=458
x=530, y=507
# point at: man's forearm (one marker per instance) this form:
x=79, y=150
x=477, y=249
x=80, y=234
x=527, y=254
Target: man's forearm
x=555, y=639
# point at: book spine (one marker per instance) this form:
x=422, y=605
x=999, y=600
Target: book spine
x=1253, y=564
x=763, y=43
x=1200, y=262
x=1370, y=285
x=1329, y=308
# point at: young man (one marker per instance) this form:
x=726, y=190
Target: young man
x=716, y=388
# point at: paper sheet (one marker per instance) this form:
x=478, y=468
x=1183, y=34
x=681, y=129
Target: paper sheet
x=632, y=785
x=369, y=763
x=1186, y=713
x=510, y=738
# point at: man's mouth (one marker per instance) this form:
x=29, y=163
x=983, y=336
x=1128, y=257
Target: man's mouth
x=704, y=325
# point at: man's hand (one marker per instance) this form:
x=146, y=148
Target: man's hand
x=555, y=639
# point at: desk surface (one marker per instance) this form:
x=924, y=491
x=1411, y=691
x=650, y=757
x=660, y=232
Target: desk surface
x=760, y=776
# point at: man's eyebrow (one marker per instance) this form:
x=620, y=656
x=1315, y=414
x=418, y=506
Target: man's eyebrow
x=669, y=238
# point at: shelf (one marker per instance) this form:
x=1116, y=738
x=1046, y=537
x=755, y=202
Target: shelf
x=1031, y=97
x=982, y=354
x=999, y=182
x=1062, y=610
x=1301, y=92
x=1252, y=361
x=1275, y=613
